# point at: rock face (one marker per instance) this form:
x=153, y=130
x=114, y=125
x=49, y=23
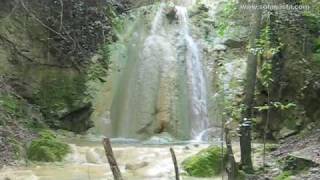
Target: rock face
x=311, y=154
x=49, y=63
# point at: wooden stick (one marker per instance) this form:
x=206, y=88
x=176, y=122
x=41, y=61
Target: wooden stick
x=174, y=159
x=112, y=161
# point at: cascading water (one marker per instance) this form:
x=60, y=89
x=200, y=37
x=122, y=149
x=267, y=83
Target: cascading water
x=196, y=77
x=163, y=87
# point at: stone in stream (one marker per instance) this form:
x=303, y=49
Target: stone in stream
x=135, y=166
x=93, y=157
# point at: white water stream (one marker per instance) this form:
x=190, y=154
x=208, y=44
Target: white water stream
x=88, y=162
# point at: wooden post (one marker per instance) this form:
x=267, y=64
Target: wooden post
x=175, y=163
x=112, y=161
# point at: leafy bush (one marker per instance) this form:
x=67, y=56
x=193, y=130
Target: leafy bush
x=206, y=163
x=47, y=148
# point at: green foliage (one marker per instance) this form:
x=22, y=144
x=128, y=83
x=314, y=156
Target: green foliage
x=206, y=163
x=281, y=106
x=60, y=92
x=316, y=57
x=99, y=69
x=16, y=146
x=47, y=148
x=266, y=74
x=285, y=175
x=228, y=11
x=10, y=104
x=317, y=44
x=117, y=21
x=277, y=105
x=265, y=46
x=314, y=7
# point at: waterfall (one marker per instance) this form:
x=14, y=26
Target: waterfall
x=196, y=77
x=163, y=86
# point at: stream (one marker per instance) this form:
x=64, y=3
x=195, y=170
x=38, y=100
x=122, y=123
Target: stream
x=137, y=161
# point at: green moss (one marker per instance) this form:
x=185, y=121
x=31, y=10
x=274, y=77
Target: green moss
x=206, y=163
x=60, y=93
x=316, y=57
x=10, y=104
x=285, y=175
x=47, y=148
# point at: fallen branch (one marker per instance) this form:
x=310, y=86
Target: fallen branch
x=111, y=159
x=175, y=163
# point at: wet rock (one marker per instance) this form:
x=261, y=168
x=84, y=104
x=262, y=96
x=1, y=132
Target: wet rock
x=78, y=120
x=311, y=153
x=203, y=7
x=93, y=157
x=311, y=126
x=234, y=43
x=171, y=14
x=135, y=166
x=285, y=132
x=219, y=47
x=314, y=170
x=186, y=148
x=162, y=138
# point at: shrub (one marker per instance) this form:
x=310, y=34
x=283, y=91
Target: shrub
x=47, y=148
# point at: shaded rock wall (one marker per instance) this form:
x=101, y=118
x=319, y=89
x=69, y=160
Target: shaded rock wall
x=45, y=53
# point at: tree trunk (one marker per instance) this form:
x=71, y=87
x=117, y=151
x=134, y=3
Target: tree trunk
x=248, y=101
x=112, y=161
x=231, y=166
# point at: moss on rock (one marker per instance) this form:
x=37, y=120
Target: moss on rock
x=206, y=163
x=47, y=148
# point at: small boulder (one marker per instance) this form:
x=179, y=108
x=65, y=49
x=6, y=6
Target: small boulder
x=232, y=43
x=219, y=47
x=285, y=132
x=135, y=166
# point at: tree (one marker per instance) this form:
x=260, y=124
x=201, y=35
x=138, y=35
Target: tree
x=250, y=85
